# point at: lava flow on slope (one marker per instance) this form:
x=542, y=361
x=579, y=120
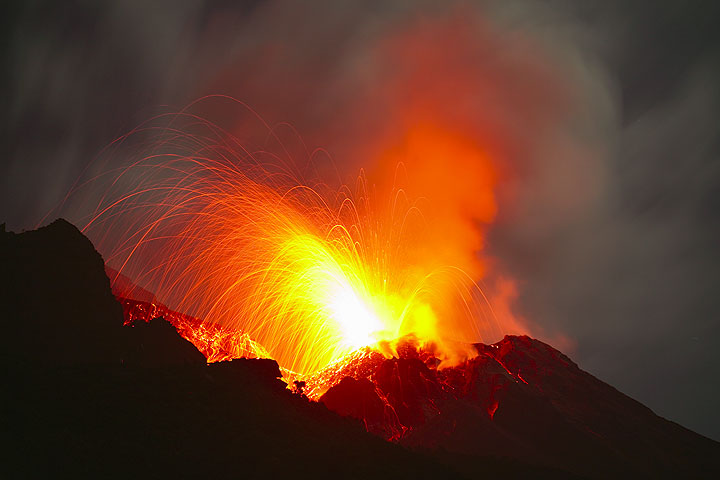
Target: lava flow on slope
x=215, y=342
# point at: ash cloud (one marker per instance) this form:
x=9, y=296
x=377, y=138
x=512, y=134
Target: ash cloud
x=609, y=225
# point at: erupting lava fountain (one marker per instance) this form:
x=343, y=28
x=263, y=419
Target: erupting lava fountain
x=310, y=272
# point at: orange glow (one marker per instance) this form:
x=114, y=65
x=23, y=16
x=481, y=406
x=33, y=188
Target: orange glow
x=310, y=273
x=452, y=180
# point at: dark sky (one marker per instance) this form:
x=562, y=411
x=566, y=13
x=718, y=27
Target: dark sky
x=614, y=237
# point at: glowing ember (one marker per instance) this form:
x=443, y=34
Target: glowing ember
x=309, y=272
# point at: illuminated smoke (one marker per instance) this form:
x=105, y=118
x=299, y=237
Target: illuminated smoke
x=310, y=272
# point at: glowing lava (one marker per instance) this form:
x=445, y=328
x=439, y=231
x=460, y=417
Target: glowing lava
x=309, y=272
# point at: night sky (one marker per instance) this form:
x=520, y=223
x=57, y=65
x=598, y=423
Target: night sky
x=611, y=228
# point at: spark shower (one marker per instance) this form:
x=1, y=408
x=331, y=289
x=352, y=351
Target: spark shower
x=309, y=269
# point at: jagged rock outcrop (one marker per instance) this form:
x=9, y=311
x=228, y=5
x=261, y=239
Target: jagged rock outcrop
x=56, y=299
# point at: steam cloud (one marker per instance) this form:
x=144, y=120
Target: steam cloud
x=600, y=122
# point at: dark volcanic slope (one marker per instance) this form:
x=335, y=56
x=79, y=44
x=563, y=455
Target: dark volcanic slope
x=88, y=397
x=73, y=409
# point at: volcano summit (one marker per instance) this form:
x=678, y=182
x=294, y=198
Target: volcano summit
x=95, y=393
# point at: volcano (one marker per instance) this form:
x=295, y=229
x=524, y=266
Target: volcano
x=105, y=385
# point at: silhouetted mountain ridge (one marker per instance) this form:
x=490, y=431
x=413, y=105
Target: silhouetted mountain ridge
x=91, y=398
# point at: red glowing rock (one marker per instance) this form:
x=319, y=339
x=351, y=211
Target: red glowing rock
x=519, y=398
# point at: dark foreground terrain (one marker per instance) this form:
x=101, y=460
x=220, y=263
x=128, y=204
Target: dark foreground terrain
x=87, y=397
